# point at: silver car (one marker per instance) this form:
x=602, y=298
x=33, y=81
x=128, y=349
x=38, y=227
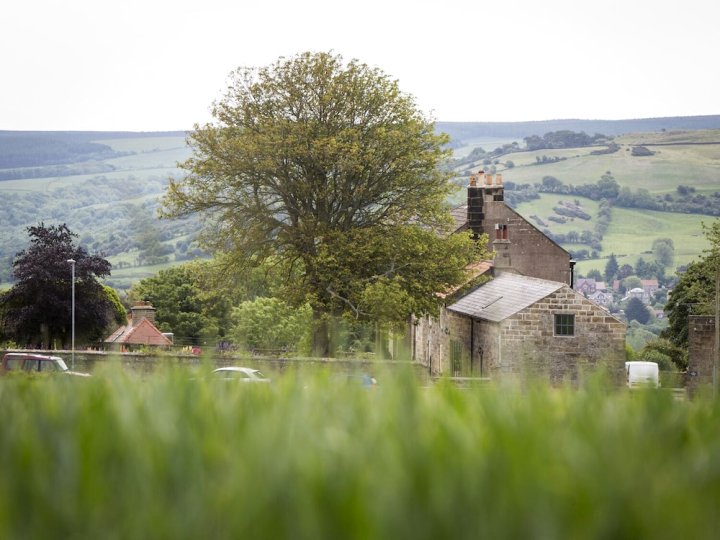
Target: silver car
x=242, y=374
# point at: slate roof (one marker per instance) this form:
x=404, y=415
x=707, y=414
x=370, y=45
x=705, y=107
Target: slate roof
x=504, y=296
x=459, y=215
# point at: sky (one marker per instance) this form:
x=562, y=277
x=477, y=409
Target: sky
x=156, y=65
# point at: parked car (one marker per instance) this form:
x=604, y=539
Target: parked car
x=642, y=374
x=242, y=374
x=39, y=363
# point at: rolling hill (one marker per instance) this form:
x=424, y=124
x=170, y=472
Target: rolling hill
x=106, y=186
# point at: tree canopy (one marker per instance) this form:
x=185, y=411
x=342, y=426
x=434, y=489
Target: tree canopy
x=694, y=293
x=37, y=310
x=637, y=311
x=191, y=301
x=331, y=171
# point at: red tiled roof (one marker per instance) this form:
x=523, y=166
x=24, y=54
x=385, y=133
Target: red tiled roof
x=143, y=333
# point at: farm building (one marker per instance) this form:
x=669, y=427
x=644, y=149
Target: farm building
x=526, y=316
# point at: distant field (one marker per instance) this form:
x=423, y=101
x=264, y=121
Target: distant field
x=543, y=208
x=145, y=144
x=486, y=143
x=685, y=164
x=47, y=185
x=123, y=278
x=631, y=232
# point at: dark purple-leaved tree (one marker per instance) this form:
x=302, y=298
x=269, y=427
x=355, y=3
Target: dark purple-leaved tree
x=36, y=311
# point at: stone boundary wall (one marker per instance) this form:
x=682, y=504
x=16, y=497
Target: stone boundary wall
x=143, y=364
x=701, y=352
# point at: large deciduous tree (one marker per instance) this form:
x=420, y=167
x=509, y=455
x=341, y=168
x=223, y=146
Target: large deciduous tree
x=330, y=170
x=37, y=310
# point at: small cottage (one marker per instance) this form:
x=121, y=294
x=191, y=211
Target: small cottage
x=525, y=317
x=140, y=331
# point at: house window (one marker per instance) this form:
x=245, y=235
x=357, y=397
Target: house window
x=564, y=324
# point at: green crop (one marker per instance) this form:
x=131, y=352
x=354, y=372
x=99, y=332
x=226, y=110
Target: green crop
x=179, y=455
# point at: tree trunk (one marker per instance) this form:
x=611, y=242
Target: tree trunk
x=321, y=335
x=44, y=336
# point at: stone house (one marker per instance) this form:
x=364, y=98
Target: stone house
x=650, y=286
x=526, y=317
x=602, y=298
x=586, y=286
x=140, y=331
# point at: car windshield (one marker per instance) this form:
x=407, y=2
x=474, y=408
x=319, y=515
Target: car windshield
x=51, y=365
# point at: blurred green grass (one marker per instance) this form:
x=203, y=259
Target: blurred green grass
x=179, y=455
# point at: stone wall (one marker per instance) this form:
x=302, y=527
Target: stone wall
x=431, y=343
x=701, y=351
x=145, y=364
x=529, y=339
x=525, y=342
x=530, y=252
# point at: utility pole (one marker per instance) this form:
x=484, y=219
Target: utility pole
x=72, y=350
x=716, y=359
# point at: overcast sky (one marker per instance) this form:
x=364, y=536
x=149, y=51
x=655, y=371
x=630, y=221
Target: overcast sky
x=147, y=65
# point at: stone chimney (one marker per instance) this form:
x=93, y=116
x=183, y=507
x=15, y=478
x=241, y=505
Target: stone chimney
x=501, y=246
x=140, y=311
x=475, y=213
x=483, y=188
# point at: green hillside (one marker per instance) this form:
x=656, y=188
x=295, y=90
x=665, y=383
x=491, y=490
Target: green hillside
x=109, y=201
x=106, y=185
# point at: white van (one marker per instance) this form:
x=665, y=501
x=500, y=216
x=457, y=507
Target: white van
x=642, y=374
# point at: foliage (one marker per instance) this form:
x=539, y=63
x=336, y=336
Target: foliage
x=563, y=139
x=611, y=269
x=33, y=149
x=631, y=282
x=270, y=323
x=310, y=156
x=640, y=151
x=664, y=251
x=37, y=309
x=694, y=293
x=117, y=309
x=637, y=311
x=664, y=348
x=663, y=361
x=181, y=457
x=192, y=300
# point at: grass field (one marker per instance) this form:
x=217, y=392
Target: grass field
x=543, y=208
x=174, y=455
x=691, y=165
x=632, y=232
